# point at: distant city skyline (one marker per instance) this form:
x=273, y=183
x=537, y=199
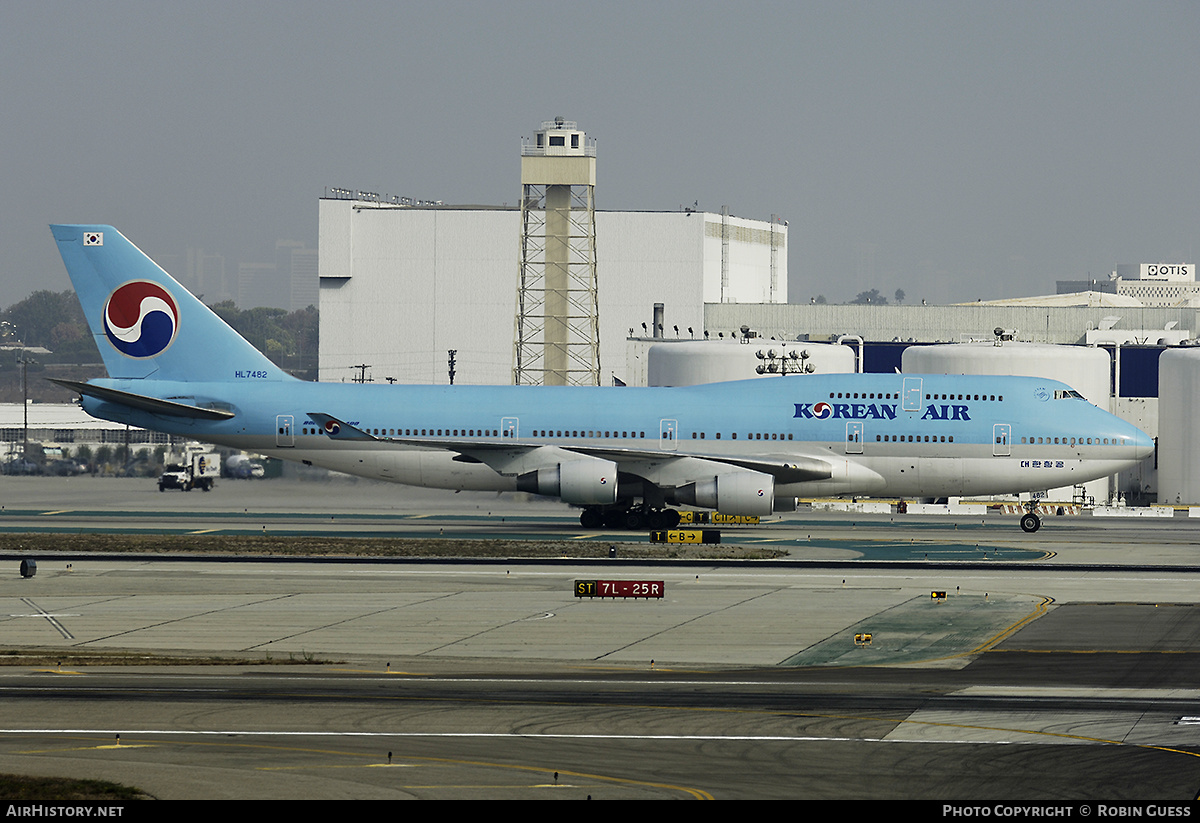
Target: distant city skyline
x=288, y=282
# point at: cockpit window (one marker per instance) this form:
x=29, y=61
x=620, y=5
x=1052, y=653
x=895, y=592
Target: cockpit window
x=1059, y=394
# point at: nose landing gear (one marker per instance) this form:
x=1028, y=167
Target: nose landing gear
x=1030, y=522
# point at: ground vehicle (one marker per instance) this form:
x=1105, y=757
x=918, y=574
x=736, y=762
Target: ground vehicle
x=197, y=473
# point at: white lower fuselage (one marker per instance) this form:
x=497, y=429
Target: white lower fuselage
x=893, y=475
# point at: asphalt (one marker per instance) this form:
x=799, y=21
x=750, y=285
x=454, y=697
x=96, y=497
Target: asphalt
x=1077, y=648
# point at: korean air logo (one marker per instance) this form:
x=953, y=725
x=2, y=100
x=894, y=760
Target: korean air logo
x=332, y=428
x=821, y=410
x=141, y=319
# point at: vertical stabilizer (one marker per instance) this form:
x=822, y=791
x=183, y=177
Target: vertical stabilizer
x=145, y=324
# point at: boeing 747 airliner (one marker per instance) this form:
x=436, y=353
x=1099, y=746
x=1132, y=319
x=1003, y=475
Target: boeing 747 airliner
x=624, y=455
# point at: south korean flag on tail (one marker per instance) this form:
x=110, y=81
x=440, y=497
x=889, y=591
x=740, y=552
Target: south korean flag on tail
x=93, y=238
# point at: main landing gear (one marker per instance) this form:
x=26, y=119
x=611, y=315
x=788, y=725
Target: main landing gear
x=635, y=517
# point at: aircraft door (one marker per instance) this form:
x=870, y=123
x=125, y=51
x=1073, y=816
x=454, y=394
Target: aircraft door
x=854, y=438
x=911, y=396
x=1000, y=440
x=283, y=430
x=667, y=433
x=509, y=427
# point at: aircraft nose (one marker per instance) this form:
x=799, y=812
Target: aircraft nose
x=1143, y=444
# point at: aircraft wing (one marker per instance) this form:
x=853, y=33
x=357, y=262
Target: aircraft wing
x=789, y=468
x=664, y=468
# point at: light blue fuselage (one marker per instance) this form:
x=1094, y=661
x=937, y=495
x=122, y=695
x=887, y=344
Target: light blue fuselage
x=745, y=447
x=953, y=435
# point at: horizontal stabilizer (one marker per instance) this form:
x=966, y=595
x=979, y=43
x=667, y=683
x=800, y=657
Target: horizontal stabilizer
x=154, y=405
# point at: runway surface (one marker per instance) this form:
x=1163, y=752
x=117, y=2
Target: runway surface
x=1061, y=666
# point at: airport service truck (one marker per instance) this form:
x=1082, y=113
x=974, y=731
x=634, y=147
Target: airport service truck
x=198, y=471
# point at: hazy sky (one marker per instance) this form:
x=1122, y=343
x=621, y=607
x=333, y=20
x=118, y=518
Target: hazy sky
x=956, y=150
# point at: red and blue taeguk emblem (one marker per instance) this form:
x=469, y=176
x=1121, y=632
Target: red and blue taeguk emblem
x=821, y=410
x=141, y=319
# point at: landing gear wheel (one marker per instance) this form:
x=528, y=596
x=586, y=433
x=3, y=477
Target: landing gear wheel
x=591, y=519
x=1030, y=522
x=629, y=519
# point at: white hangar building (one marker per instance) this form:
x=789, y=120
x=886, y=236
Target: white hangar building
x=529, y=294
x=403, y=285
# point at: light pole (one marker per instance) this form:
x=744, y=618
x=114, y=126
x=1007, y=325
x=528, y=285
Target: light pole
x=24, y=360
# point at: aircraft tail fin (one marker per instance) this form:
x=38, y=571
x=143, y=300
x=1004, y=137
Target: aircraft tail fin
x=145, y=324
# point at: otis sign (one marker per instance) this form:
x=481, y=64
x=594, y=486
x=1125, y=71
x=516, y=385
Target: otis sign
x=875, y=411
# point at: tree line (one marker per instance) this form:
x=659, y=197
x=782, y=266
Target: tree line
x=55, y=321
x=871, y=297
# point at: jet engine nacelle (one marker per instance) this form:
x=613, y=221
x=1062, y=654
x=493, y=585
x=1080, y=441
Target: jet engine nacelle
x=587, y=482
x=735, y=493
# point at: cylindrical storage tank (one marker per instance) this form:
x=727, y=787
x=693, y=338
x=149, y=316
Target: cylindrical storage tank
x=1178, y=440
x=692, y=362
x=1083, y=368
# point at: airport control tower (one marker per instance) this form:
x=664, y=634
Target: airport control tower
x=557, y=330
